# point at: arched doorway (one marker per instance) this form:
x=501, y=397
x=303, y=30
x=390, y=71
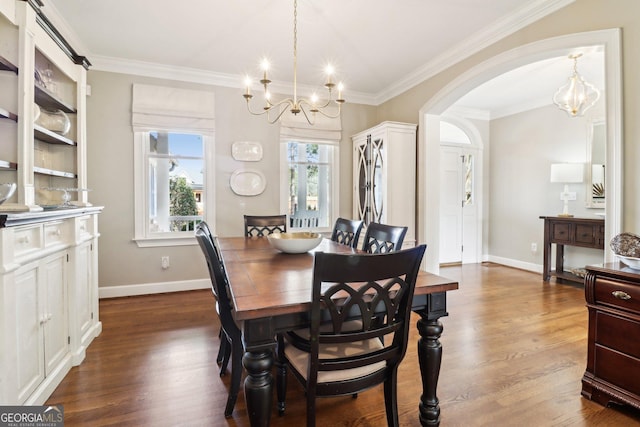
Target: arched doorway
x=429, y=140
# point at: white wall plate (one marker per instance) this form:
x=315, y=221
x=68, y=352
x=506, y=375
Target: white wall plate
x=247, y=182
x=246, y=151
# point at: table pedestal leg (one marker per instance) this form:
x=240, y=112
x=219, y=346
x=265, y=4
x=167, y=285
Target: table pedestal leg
x=430, y=356
x=258, y=386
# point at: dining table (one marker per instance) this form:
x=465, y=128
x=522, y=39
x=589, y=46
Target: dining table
x=271, y=293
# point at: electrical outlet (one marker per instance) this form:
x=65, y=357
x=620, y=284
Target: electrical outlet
x=534, y=248
x=165, y=262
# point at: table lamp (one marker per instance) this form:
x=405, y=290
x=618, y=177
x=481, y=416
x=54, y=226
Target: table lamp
x=567, y=173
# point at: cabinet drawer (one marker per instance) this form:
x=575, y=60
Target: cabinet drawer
x=614, y=332
x=586, y=234
x=617, y=294
x=54, y=233
x=84, y=227
x=560, y=233
x=619, y=369
x=26, y=240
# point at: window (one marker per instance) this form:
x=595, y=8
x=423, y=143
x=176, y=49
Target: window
x=176, y=178
x=310, y=184
x=173, y=164
x=174, y=171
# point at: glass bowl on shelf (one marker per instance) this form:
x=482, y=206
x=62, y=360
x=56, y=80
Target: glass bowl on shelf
x=6, y=191
x=54, y=120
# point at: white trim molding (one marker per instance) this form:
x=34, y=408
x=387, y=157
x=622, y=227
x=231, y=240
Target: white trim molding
x=152, y=288
x=429, y=140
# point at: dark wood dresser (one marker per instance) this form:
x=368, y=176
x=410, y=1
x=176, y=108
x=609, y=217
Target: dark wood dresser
x=570, y=231
x=612, y=292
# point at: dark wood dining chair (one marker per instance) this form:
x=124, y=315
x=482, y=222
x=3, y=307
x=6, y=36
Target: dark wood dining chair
x=347, y=231
x=347, y=354
x=230, y=330
x=259, y=226
x=383, y=238
x=223, y=352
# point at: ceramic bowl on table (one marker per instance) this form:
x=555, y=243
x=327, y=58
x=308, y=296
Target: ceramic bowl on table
x=6, y=191
x=296, y=242
x=630, y=261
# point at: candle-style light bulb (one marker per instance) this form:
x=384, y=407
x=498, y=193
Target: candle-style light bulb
x=247, y=83
x=329, y=70
x=340, y=89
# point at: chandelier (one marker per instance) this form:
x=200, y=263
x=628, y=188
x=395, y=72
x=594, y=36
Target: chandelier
x=308, y=107
x=576, y=96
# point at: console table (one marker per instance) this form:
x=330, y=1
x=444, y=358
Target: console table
x=583, y=232
x=612, y=292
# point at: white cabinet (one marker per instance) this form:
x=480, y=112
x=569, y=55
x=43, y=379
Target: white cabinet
x=48, y=256
x=83, y=286
x=384, y=176
x=42, y=333
x=48, y=299
x=42, y=110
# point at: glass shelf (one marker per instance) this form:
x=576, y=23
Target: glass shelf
x=45, y=135
x=52, y=172
x=6, y=165
x=4, y=114
x=6, y=65
x=47, y=100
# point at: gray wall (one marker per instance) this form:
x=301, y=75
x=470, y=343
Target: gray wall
x=580, y=16
x=110, y=164
x=523, y=146
x=110, y=149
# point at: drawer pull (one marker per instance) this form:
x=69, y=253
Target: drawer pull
x=621, y=295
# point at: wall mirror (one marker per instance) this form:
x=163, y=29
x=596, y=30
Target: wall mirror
x=596, y=156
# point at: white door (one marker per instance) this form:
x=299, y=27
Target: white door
x=30, y=339
x=56, y=332
x=83, y=289
x=451, y=203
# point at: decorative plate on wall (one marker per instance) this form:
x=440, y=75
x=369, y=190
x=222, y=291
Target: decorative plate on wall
x=246, y=151
x=247, y=182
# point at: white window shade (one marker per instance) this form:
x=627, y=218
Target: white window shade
x=296, y=127
x=168, y=108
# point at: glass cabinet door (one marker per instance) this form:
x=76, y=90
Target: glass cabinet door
x=377, y=183
x=362, y=174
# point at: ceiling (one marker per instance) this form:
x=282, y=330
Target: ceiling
x=532, y=85
x=379, y=48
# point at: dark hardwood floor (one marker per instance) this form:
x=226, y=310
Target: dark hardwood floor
x=514, y=354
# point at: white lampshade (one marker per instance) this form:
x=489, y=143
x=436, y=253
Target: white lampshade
x=567, y=172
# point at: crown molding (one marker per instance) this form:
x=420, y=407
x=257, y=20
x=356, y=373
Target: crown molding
x=161, y=71
x=532, y=12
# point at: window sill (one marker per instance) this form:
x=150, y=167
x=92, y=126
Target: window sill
x=152, y=242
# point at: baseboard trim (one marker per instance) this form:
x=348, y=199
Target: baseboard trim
x=152, y=288
x=528, y=266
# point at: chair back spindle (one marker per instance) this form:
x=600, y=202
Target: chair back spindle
x=347, y=232
x=383, y=238
x=260, y=226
